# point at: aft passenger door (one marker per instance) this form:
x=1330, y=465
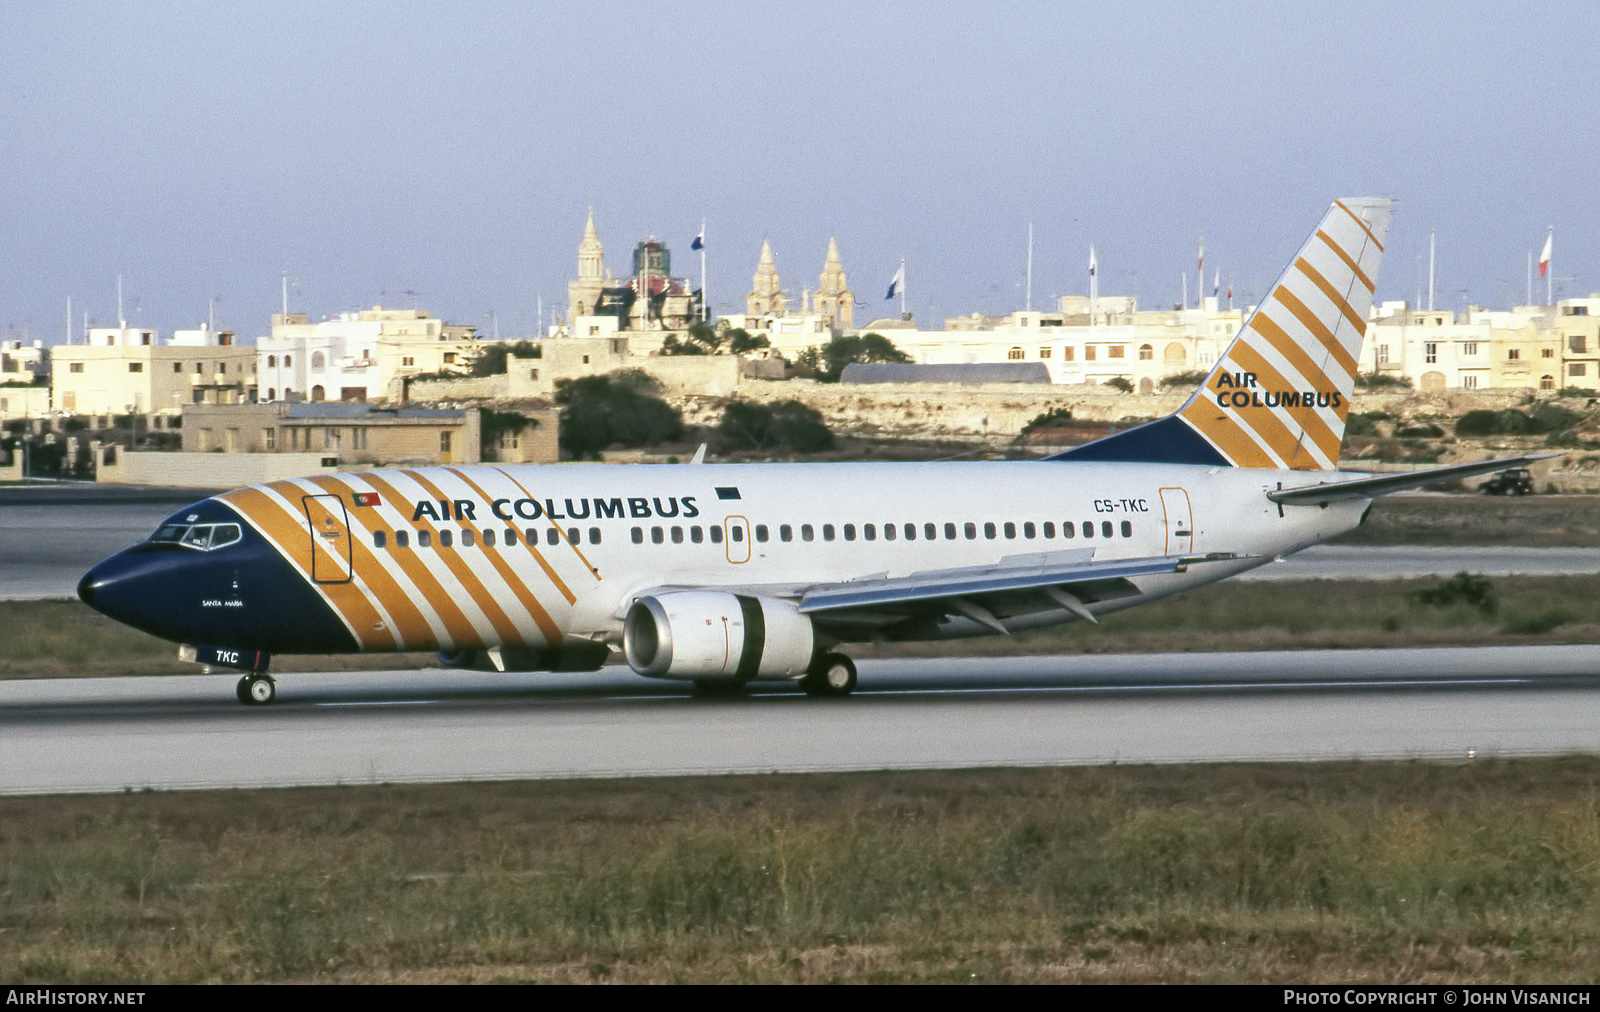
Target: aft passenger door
x=1179, y=521
x=737, y=539
x=330, y=538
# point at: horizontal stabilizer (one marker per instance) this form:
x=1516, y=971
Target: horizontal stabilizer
x=1382, y=484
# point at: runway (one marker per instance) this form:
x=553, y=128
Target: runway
x=417, y=726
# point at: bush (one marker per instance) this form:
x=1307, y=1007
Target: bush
x=1120, y=383
x=847, y=350
x=788, y=425
x=1378, y=380
x=617, y=409
x=1055, y=418
x=1462, y=588
x=1192, y=378
x=1510, y=422
x=491, y=358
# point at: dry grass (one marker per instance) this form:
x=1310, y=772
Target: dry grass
x=1536, y=521
x=1408, y=872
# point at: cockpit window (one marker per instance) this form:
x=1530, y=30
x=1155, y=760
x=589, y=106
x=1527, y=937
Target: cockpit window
x=205, y=537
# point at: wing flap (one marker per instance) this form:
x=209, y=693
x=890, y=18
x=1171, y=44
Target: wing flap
x=953, y=584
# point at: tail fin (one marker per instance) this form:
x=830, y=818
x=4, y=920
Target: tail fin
x=1279, y=396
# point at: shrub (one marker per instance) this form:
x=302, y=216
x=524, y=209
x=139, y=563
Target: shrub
x=1462, y=588
x=788, y=425
x=1378, y=380
x=619, y=408
x=1055, y=418
x=1192, y=378
x=1119, y=383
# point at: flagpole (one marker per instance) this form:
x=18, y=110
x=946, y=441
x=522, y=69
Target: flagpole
x=1094, y=286
x=1430, y=270
x=705, y=303
x=1530, y=276
x=1549, y=275
x=1200, y=274
x=902, y=288
x=1030, y=268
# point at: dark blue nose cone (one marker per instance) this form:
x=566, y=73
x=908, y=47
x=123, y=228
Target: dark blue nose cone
x=239, y=593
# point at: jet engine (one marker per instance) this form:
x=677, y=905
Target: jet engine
x=714, y=635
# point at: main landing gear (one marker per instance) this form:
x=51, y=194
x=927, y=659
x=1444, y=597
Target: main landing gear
x=256, y=689
x=831, y=675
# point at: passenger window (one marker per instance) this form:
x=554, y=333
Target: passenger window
x=531, y=536
x=638, y=535
x=594, y=535
x=380, y=539
x=574, y=536
x=467, y=539
x=806, y=533
x=656, y=536
x=1088, y=528
x=870, y=531
x=402, y=539
x=827, y=532
x=761, y=533
x=930, y=532
x=1011, y=529
x=696, y=534
x=911, y=532
x=849, y=532
x=511, y=535
x=488, y=539
x=889, y=532
x=424, y=539
x=971, y=531
x=1068, y=530
x=552, y=537
x=1105, y=528
x=1049, y=529
x=1127, y=528
x=1028, y=529
x=988, y=531
x=785, y=532
x=444, y=539
x=736, y=533
x=677, y=535
x=949, y=532
x=715, y=533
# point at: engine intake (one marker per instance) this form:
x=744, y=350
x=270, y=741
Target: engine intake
x=706, y=634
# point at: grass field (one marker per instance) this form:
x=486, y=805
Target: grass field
x=1408, y=872
x=53, y=639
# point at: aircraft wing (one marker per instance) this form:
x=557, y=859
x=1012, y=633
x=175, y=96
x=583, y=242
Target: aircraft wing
x=1383, y=484
x=985, y=594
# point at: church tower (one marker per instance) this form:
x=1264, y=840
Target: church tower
x=767, y=299
x=836, y=303
x=584, y=293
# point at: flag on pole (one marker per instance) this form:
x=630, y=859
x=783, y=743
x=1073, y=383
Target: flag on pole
x=1091, y=261
x=1544, y=257
x=699, y=241
x=1202, y=259
x=1216, y=282
x=896, y=283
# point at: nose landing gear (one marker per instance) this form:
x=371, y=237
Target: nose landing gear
x=256, y=689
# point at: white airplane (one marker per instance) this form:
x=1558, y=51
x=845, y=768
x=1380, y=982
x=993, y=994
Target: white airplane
x=724, y=574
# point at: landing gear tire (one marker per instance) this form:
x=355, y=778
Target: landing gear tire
x=256, y=690
x=834, y=675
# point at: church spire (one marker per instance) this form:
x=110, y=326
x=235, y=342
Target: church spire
x=591, y=255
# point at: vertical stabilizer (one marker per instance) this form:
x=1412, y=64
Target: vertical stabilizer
x=1279, y=396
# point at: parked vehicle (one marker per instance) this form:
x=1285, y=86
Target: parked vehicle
x=1511, y=481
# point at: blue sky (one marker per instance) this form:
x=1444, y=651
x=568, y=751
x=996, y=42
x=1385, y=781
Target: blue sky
x=451, y=150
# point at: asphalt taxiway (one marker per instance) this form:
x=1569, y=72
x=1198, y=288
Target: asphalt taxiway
x=417, y=726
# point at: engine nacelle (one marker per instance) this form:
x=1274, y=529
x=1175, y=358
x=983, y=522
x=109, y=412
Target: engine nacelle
x=708, y=634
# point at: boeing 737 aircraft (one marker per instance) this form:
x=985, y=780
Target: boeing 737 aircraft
x=722, y=574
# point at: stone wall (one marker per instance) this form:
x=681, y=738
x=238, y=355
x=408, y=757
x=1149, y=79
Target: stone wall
x=202, y=470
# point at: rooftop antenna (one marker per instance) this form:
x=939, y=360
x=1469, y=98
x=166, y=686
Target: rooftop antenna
x=285, y=293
